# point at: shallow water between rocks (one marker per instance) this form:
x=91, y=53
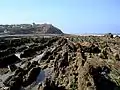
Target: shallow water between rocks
x=46, y=73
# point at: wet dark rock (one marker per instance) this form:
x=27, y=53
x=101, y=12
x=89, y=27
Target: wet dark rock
x=48, y=61
x=66, y=47
x=72, y=46
x=57, y=58
x=3, y=53
x=50, y=42
x=104, y=54
x=91, y=49
x=95, y=49
x=11, y=50
x=27, y=65
x=31, y=51
x=34, y=63
x=14, y=82
x=83, y=55
x=51, y=85
x=65, y=55
x=110, y=35
x=46, y=55
x=30, y=65
x=22, y=49
x=99, y=70
x=117, y=56
x=3, y=45
x=20, y=71
x=28, y=53
x=4, y=62
x=32, y=75
x=64, y=61
x=45, y=66
x=50, y=57
x=7, y=52
x=41, y=40
x=61, y=62
x=5, y=88
x=33, y=45
x=117, y=36
x=54, y=39
x=55, y=53
x=17, y=42
x=101, y=78
x=56, y=49
x=12, y=67
x=4, y=71
x=73, y=54
x=62, y=41
x=6, y=82
x=38, y=48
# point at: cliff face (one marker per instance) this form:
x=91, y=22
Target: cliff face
x=48, y=29
x=38, y=29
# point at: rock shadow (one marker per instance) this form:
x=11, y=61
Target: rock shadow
x=101, y=79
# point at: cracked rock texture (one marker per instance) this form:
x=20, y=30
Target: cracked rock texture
x=60, y=63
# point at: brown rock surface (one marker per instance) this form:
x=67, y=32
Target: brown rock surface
x=60, y=63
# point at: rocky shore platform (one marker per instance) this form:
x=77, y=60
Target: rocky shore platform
x=60, y=63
